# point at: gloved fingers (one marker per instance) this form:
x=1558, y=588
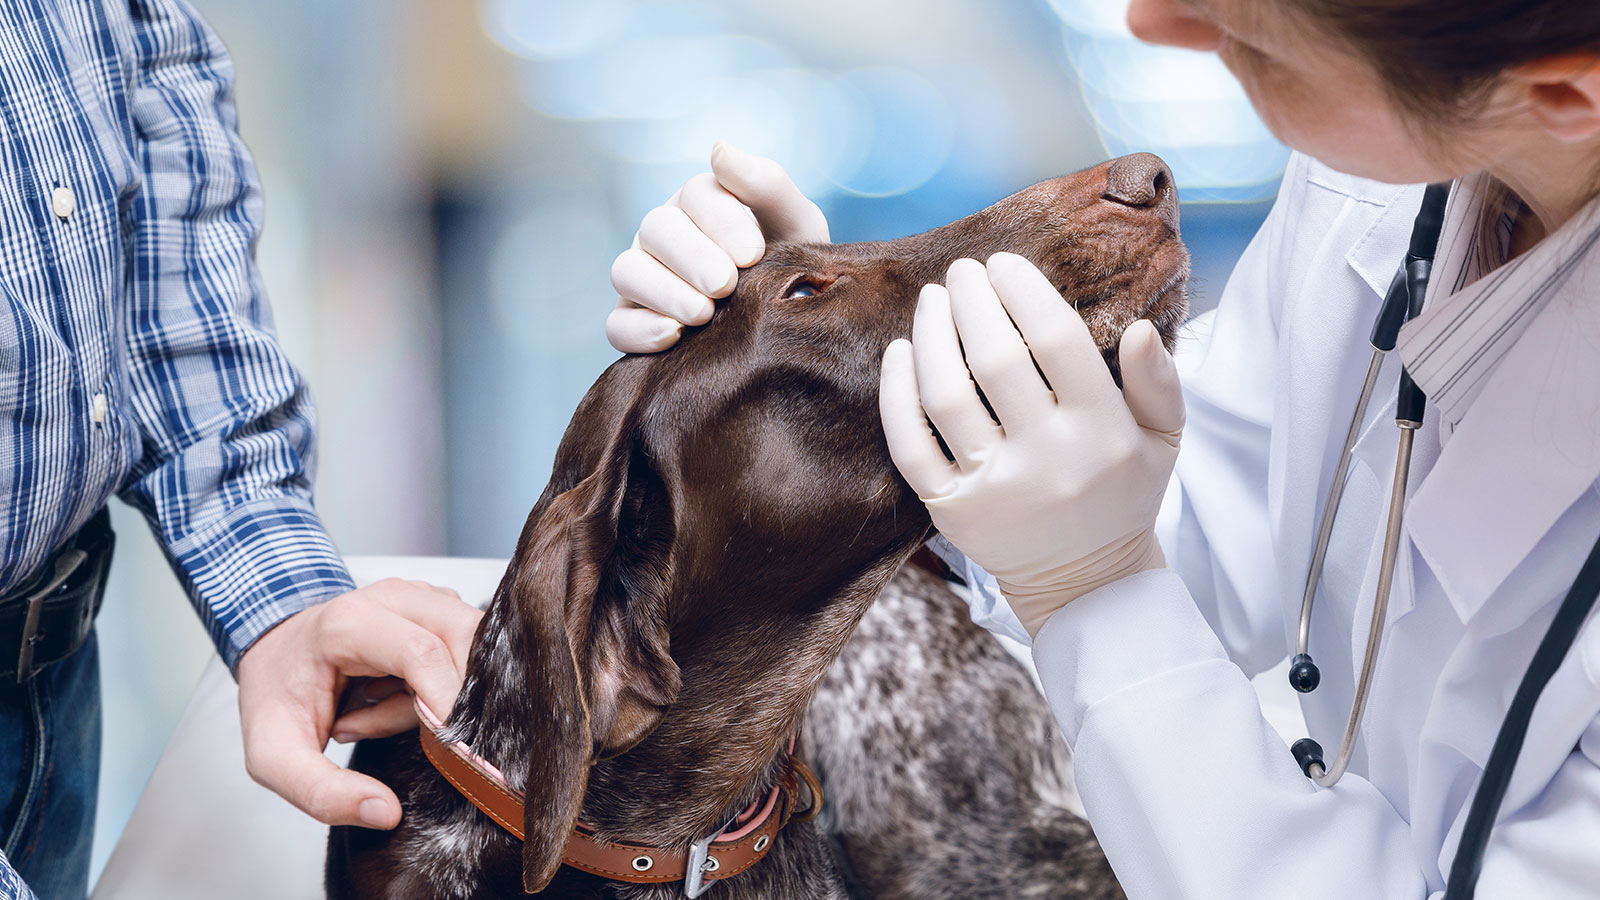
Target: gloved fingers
x=668, y=234
x=912, y=446
x=723, y=218
x=632, y=328
x=1060, y=341
x=1150, y=382
x=995, y=352
x=945, y=387
x=643, y=279
x=761, y=184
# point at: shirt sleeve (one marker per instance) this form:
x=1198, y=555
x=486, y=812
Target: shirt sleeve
x=225, y=421
x=11, y=885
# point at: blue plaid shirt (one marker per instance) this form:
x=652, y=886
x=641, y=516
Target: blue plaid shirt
x=137, y=353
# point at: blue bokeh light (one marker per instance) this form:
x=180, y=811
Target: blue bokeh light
x=1183, y=105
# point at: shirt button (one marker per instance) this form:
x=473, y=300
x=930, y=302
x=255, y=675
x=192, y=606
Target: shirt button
x=62, y=202
x=99, y=409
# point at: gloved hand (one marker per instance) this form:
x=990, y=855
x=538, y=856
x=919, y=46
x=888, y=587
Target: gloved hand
x=689, y=251
x=1060, y=497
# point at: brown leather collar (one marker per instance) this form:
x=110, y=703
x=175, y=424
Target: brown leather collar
x=737, y=846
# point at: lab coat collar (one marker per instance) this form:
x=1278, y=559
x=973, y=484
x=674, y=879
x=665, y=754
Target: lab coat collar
x=1377, y=256
x=1528, y=442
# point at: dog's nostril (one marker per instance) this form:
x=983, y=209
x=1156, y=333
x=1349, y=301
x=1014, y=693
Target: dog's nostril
x=1141, y=180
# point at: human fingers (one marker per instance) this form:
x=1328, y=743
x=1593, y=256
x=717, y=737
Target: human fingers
x=995, y=353
x=1056, y=335
x=943, y=383
x=283, y=753
x=646, y=281
x=392, y=715
x=429, y=603
x=761, y=184
x=632, y=328
x=375, y=640
x=1150, y=382
x=723, y=218
x=677, y=241
x=912, y=446
x=441, y=611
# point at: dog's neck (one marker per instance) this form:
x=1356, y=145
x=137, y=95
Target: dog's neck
x=721, y=745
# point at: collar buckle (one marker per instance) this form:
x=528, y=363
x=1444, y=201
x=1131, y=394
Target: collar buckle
x=700, y=863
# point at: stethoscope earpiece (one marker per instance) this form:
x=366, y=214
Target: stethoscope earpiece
x=1304, y=676
x=1308, y=753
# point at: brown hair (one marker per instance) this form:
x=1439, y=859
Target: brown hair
x=1439, y=57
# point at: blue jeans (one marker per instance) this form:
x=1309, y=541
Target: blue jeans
x=49, y=773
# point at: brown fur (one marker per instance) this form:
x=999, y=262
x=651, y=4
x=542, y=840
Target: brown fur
x=719, y=520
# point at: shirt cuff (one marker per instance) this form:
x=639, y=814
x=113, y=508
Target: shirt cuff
x=258, y=565
x=1117, y=637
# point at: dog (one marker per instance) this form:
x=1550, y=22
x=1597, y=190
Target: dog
x=695, y=587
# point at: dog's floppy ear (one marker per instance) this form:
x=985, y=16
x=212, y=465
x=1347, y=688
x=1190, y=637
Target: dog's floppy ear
x=588, y=584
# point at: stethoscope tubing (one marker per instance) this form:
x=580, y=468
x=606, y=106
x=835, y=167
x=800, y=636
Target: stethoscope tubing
x=1319, y=554
x=1380, y=611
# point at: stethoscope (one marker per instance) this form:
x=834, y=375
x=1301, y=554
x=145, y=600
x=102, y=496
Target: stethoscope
x=1401, y=303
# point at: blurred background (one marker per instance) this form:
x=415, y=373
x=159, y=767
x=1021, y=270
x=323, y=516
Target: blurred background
x=447, y=182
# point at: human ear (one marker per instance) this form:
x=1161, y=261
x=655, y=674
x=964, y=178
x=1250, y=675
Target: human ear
x=1562, y=93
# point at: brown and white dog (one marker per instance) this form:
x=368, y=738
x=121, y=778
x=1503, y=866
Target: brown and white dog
x=696, y=585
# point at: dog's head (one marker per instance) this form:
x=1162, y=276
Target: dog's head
x=717, y=506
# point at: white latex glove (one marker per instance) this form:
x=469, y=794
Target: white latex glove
x=1060, y=497
x=688, y=251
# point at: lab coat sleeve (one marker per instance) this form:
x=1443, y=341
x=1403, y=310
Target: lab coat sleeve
x=1191, y=792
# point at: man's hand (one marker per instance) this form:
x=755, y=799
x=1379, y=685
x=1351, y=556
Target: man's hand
x=291, y=681
x=689, y=250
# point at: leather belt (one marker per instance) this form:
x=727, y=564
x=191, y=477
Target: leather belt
x=725, y=853
x=49, y=616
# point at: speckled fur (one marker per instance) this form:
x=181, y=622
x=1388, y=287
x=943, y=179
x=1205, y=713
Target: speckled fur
x=943, y=765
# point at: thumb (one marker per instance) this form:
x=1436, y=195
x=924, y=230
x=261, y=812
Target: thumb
x=284, y=756
x=761, y=184
x=1150, y=382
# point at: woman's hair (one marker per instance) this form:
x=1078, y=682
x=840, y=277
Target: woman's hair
x=1440, y=57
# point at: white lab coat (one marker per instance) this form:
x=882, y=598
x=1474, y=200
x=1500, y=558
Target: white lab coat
x=1191, y=792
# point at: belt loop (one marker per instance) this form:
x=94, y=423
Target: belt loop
x=65, y=565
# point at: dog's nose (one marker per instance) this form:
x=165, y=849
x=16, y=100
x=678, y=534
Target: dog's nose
x=1143, y=181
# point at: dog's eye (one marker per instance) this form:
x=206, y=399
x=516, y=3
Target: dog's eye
x=802, y=289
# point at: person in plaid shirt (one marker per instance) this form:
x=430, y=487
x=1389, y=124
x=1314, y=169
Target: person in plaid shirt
x=137, y=357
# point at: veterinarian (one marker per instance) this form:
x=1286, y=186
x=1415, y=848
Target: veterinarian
x=1151, y=602
x=138, y=357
